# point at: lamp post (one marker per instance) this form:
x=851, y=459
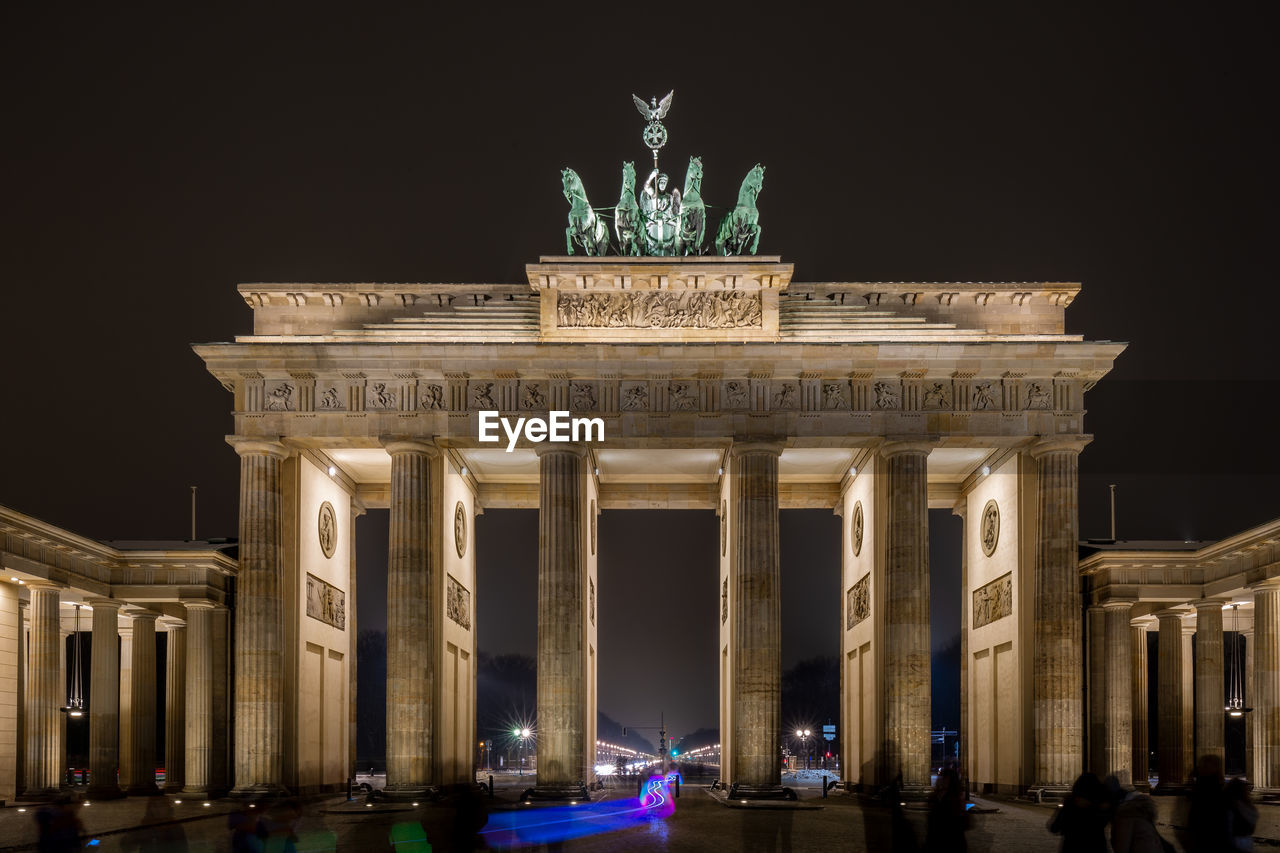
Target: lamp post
x=803, y=735
x=523, y=735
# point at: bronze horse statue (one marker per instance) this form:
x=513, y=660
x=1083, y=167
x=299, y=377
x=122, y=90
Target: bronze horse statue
x=693, y=212
x=626, y=216
x=742, y=225
x=585, y=226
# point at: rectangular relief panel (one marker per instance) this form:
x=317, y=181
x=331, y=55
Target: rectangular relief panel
x=993, y=601
x=858, y=602
x=326, y=603
x=458, y=602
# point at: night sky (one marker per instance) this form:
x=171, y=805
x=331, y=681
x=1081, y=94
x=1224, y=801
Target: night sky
x=155, y=157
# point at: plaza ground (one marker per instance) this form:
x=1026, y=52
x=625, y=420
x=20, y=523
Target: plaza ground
x=699, y=823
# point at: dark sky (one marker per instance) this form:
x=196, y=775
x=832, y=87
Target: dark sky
x=154, y=157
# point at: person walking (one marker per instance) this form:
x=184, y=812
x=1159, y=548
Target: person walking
x=1082, y=818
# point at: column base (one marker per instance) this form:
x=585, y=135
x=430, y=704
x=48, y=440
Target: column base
x=742, y=791
x=254, y=792
x=143, y=791
x=563, y=791
x=105, y=792
x=406, y=793
x=40, y=795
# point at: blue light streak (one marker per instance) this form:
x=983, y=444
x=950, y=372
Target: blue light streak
x=561, y=823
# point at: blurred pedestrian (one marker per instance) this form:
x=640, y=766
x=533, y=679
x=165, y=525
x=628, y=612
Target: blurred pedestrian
x=948, y=818
x=158, y=833
x=1242, y=814
x=1133, y=827
x=1082, y=817
x=1207, y=824
x=59, y=826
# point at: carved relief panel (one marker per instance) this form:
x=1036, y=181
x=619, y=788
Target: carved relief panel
x=458, y=602
x=993, y=601
x=326, y=603
x=858, y=601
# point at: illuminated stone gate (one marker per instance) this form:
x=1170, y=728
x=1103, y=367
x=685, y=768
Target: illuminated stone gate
x=721, y=384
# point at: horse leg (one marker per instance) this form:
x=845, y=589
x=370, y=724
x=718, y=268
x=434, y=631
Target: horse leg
x=568, y=239
x=755, y=227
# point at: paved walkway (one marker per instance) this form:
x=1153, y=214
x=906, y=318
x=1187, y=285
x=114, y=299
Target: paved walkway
x=697, y=824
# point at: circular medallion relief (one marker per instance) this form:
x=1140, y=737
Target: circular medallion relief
x=327, y=529
x=593, y=527
x=990, y=530
x=856, y=528
x=460, y=529
x=724, y=528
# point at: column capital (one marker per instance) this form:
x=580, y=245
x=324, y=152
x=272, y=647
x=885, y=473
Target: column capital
x=573, y=448
x=1206, y=603
x=245, y=446
x=171, y=622
x=1118, y=603
x=405, y=444
x=142, y=615
x=1266, y=585
x=1169, y=613
x=40, y=584
x=1143, y=622
x=1059, y=444
x=897, y=447
x=104, y=603
x=961, y=507
x=200, y=604
x=748, y=448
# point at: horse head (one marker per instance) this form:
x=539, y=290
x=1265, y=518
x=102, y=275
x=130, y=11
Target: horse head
x=693, y=177
x=572, y=185
x=751, y=185
x=628, y=178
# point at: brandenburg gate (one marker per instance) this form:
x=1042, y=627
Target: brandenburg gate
x=708, y=382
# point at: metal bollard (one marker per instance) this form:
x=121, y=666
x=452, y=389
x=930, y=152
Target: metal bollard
x=491, y=786
x=677, y=786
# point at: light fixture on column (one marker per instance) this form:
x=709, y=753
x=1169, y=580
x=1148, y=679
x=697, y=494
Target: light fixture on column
x=986, y=469
x=1235, y=677
x=853, y=471
x=75, y=703
x=332, y=471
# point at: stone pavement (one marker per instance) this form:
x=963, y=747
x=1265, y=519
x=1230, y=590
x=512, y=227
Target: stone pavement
x=698, y=824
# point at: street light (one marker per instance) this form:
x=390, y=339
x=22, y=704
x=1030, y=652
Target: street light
x=523, y=735
x=803, y=735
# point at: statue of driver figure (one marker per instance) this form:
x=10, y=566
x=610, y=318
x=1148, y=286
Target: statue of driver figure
x=661, y=213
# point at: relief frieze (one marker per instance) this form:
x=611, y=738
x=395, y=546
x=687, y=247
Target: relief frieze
x=858, y=602
x=326, y=603
x=993, y=601
x=663, y=309
x=458, y=602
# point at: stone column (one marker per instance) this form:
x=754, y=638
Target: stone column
x=961, y=509
x=45, y=689
x=198, y=698
x=907, y=654
x=259, y=624
x=1138, y=693
x=20, y=764
x=353, y=637
x=223, y=737
x=175, y=705
x=1250, y=730
x=63, y=636
x=1210, y=701
x=411, y=626
x=755, y=574
x=562, y=613
x=1188, y=702
x=142, y=702
x=125, y=759
x=1118, y=709
x=104, y=700
x=1170, y=761
x=1096, y=687
x=1057, y=666
x=1266, y=682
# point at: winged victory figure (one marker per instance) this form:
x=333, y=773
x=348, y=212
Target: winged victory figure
x=655, y=110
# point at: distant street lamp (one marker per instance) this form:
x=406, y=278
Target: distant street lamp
x=804, y=735
x=524, y=735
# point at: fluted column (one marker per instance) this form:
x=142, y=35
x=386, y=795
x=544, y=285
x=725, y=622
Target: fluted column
x=1266, y=682
x=104, y=700
x=1170, y=761
x=20, y=764
x=353, y=636
x=906, y=622
x=1188, y=701
x=1210, y=701
x=198, y=699
x=411, y=625
x=175, y=705
x=142, y=701
x=1058, y=666
x=962, y=758
x=259, y=624
x=1118, y=710
x=1096, y=687
x=757, y=621
x=125, y=757
x=562, y=614
x=45, y=689
x=1141, y=761
x=1250, y=730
